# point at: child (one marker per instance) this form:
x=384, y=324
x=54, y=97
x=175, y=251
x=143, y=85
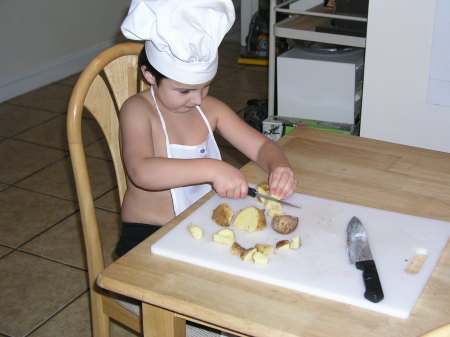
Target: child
x=169, y=151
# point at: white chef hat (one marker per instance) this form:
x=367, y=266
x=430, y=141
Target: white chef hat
x=181, y=36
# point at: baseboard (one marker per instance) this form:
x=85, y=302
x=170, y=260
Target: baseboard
x=43, y=74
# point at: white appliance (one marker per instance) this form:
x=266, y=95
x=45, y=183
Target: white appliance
x=320, y=84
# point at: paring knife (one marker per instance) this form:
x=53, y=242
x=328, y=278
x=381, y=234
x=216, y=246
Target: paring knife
x=252, y=193
x=360, y=255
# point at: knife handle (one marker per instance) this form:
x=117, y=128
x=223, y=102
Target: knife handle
x=251, y=192
x=374, y=292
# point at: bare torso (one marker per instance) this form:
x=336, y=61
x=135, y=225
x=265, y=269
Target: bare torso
x=155, y=207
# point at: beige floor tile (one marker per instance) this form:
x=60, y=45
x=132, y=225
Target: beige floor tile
x=109, y=201
x=53, y=133
x=20, y=159
x=4, y=250
x=32, y=289
x=26, y=214
x=15, y=119
x=58, y=180
x=64, y=242
x=52, y=97
x=75, y=321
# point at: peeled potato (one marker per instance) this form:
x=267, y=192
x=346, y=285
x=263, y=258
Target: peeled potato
x=195, y=231
x=260, y=258
x=284, y=224
x=295, y=242
x=264, y=249
x=224, y=236
x=250, y=219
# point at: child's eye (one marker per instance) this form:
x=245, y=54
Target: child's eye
x=184, y=92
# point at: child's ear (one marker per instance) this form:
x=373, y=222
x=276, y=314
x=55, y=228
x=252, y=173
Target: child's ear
x=148, y=75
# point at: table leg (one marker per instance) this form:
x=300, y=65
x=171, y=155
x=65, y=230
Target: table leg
x=159, y=322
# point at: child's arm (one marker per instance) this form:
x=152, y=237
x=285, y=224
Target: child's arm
x=260, y=149
x=148, y=171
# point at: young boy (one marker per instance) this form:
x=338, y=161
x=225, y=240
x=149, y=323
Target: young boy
x=169, y=151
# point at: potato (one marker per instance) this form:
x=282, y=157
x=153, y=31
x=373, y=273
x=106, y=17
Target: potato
x=263, y=188
x=224, y=236
x=274, y=212
x=237, y=249
x=284, y=224
x=250, y=219
x=223, y=214
x=260, y=258
x=283, y=244
x=195, y=231
x=247, y=254
x=295, y=242
x=264, y=249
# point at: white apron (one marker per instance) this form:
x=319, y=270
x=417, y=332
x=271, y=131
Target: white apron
x=183, y=197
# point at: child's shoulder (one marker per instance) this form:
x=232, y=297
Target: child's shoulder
x=212, y=104
x=137, y=103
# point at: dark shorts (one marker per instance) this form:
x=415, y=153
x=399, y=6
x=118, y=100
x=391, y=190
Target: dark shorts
x=132, y=235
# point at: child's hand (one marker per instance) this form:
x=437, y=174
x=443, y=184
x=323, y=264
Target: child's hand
x=282, y=182
x=229, y=182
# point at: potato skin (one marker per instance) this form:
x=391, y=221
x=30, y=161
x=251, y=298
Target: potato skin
x=223, y=214
x=284, y=224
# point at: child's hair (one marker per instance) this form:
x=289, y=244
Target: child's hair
x=143, y=61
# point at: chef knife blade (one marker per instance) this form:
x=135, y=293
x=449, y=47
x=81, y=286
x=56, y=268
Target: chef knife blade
x=252, y=193
x=360, y=255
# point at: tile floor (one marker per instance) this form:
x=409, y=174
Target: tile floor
x=43, y=282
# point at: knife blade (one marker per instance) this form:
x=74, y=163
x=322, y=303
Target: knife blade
x=252, y=193
x=360, y=255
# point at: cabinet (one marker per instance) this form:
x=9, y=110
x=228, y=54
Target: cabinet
x=300, y=25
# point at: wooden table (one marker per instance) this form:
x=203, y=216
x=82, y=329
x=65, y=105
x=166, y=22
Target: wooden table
x=345, y=168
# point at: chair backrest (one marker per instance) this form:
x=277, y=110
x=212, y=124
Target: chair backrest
x=108, y=80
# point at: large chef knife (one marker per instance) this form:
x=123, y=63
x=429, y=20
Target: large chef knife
x=252, y=193
x=360, y=255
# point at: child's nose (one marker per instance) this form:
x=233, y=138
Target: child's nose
x=196, y=98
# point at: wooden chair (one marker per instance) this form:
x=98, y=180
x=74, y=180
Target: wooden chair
x=103, y=86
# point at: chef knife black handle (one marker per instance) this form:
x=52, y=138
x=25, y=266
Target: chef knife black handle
x=251, y=192
x=374, y=292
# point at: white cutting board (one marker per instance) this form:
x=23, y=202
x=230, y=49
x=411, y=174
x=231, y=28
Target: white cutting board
x=321, y=266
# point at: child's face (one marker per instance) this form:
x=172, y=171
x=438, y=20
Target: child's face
x=180, y=97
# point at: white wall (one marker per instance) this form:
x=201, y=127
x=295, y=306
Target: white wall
x=398, y=51
x=45, y=40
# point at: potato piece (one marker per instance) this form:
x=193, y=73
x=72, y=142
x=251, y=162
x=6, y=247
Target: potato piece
x=195, y=231
x=247, y=254
x=284, y=224
x=283, y=244
x=223, y=214
x=224, y=236
x=237, y=249
x=263, y=188
x=274, y=212
x=250, y=219
x=295, y=242
x=264, y=249
x=260, y=258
